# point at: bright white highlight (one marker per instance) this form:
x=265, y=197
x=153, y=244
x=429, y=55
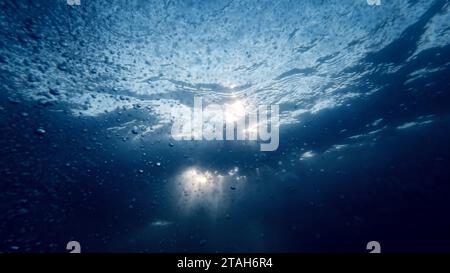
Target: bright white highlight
x=207, y=189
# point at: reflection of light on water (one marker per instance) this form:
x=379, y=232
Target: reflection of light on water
x=233, y=171
x=253, y=130
x=306, y=155
x=198, y=180
x=235, y=111
x=207, y=189
x=160, y=223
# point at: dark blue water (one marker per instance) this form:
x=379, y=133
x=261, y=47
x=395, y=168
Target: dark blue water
x=88, y=94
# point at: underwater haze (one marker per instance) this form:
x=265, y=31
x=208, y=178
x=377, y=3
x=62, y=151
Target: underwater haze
x=89, y=94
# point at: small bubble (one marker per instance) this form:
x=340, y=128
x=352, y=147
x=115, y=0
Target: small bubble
x=23, y=211
x=62, y=66
x=33, y=78
x=40, y=131
x=53, y=92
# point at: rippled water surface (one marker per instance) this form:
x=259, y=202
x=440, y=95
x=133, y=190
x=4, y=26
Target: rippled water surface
x=89, y=93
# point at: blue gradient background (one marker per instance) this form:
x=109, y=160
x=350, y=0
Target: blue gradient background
x=364, y=103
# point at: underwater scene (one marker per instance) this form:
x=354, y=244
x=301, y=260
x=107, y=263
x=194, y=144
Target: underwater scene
x=229, y=126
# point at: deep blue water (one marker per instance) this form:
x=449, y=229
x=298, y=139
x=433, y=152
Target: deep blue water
x=86, y=104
